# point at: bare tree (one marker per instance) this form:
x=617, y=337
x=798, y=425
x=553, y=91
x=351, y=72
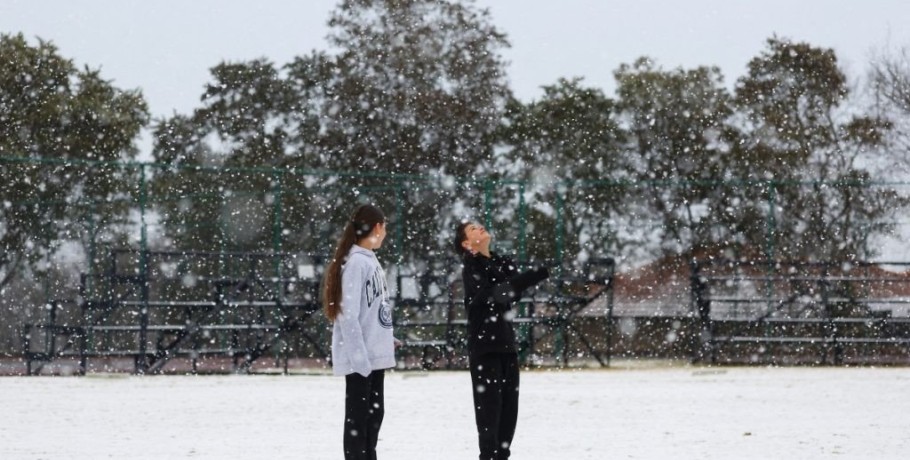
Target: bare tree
x=889, y=77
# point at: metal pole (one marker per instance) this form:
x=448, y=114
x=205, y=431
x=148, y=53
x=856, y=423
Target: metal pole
x=141, y=360
x=769, y=251
x=522, y=224
x=559, y=335
x=92, y=250
x=610, y=289
x=525, y=330
x=399, y=237
x=277, y=242
x=560, y=224
x=276, y=216
x=487, y=203
x=399, y=224
x=701, y=305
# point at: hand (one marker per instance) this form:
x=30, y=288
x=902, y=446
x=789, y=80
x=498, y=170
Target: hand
x=398, y=343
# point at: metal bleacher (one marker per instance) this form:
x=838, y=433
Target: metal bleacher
x=800, y=312
x=152, y=307
x=163, y=311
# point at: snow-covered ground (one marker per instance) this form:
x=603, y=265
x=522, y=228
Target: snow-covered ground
x=676, y=412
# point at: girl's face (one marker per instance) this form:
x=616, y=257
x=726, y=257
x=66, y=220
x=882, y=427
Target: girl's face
x=478, y=238
x=378, y=235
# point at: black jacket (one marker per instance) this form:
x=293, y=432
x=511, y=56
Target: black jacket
x=491, y=285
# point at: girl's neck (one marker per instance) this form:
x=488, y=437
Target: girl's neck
x=484, y=252
x=366, y=244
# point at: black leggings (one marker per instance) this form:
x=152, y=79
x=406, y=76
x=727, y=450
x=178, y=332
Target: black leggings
x=495, y=380
x=364, y=407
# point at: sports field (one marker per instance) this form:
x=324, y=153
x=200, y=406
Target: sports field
x=631, y=412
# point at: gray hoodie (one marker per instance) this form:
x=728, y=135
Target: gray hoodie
x=362, y=334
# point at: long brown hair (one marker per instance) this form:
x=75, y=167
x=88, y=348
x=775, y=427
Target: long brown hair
x=358, y=227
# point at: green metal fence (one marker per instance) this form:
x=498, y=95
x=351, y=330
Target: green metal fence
x=91, y=208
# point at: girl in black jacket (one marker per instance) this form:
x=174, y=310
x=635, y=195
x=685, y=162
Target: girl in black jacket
x=491, y=285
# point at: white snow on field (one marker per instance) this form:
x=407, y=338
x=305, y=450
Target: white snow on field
x=631, y=413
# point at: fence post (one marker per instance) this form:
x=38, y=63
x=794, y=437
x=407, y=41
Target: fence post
x=487, y=203
x=522, y=224
x=92, y=248
x=399, y=222
x=701, y=305
x=611, y=287
x=399, y=234
x=142, y=360
x=50, y=337
x=27, y=347
x=560, y=204
x=830, y=315
x=771, y=221
x=277, y=240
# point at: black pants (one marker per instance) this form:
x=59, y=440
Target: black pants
x=364, y=407
x=495, y=380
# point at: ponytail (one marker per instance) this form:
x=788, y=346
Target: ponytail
x=331, y=298
x=359, y=226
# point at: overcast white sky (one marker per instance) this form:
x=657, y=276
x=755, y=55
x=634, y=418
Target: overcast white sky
x=165, y=47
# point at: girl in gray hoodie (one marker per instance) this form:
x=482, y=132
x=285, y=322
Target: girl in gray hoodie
x=356, y=301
